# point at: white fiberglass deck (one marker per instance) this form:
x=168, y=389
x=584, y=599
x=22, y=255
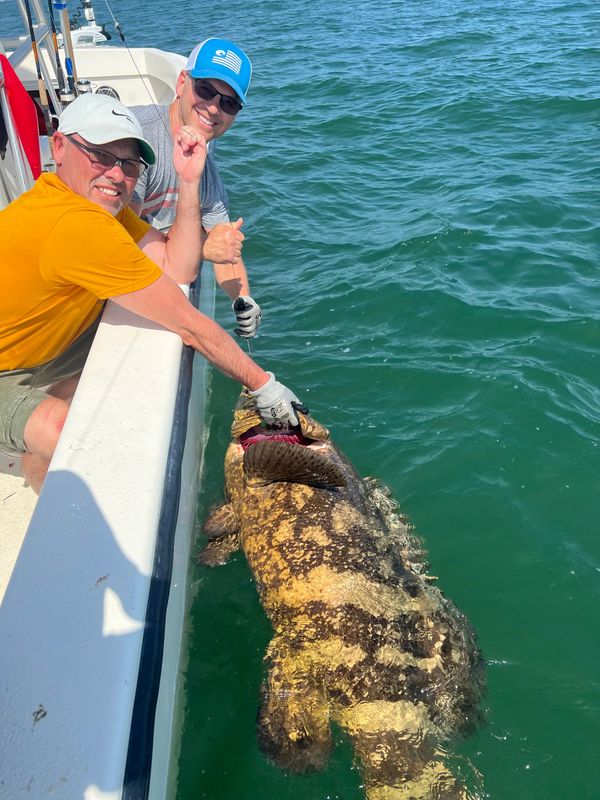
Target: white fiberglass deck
x=17, y=502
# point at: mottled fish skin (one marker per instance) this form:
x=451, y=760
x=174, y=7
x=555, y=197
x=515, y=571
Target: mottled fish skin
x=362, y=638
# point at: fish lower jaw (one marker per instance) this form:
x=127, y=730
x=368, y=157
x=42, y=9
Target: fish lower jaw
x=260, y=434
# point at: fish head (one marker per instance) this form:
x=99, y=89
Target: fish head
x=260, y=454
x=248, y=428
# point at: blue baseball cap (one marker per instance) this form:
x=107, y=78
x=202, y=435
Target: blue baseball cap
x=224, y=60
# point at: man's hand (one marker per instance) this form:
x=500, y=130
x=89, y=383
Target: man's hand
x=274, y=403
x=189, y=155
x=223, y=244
x=248, y=316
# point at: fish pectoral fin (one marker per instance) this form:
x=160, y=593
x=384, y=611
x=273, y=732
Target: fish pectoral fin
x=222, y=529
x=293, y=721
x=222, y=522
x=268, y=462
x=218, y=551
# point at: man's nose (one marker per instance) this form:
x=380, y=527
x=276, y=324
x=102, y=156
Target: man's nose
x=116, y=172
x=215, y=103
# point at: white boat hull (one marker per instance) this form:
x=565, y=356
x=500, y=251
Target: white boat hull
x=82, y=641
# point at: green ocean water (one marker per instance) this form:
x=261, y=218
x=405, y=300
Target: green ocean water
x=420, y=188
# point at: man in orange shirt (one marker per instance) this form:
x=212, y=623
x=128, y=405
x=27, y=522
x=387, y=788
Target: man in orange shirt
x=70, y=243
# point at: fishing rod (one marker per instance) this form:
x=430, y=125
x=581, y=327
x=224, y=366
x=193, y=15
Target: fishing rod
x=118, y=28
x=38, y=69
x=61, y=7
x=133, y=61
x=64, y=94
x=88, y=11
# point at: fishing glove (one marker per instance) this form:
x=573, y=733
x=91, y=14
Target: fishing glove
x=275, y=403
x=248, y=316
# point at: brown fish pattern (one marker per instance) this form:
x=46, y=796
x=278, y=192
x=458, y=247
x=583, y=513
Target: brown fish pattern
x=361, y=636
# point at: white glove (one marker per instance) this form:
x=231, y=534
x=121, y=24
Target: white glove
x=248, y=316
x=275, y=403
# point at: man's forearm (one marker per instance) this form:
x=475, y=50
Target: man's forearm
x=232, y=278
x=164, y=302
x=184, y=239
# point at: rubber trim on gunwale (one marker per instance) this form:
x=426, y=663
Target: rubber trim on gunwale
x=136, y=780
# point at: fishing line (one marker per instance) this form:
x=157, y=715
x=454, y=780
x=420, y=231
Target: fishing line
x=155, y=105
x=239, y=304
x=115, y=23
x=141, y=77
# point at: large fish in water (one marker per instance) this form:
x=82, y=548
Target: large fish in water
x=362, y=637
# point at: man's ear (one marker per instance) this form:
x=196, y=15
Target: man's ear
x=59, y=143
x=180, y=83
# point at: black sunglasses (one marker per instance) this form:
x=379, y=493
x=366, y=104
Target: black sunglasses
x=206, y=91
x=102, y=159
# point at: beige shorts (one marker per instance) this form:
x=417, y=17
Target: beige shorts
x=22, y=390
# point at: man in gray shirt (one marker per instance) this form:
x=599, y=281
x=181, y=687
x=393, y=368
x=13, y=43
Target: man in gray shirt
x=210, y=91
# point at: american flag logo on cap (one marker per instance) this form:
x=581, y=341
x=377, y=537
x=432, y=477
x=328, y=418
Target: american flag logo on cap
x=229, y=59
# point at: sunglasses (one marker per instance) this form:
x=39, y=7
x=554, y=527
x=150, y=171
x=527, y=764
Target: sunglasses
x=102, y=159
x=206, y=91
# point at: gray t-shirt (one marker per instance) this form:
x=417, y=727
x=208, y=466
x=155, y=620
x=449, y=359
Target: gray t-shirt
x=157, y=189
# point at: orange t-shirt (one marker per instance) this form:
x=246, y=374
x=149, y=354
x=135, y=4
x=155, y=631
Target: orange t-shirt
x=61, y=256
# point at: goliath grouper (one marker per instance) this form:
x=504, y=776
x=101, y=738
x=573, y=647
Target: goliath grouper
x=362, y=638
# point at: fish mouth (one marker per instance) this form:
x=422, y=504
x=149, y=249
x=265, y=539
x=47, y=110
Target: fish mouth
x=248, y=428
x=259, y=434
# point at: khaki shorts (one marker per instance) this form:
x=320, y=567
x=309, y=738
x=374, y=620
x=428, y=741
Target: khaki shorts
x=22, y=390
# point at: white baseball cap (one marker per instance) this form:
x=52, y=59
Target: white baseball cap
x=100, y=119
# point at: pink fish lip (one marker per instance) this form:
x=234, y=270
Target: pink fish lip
x=259, y=434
